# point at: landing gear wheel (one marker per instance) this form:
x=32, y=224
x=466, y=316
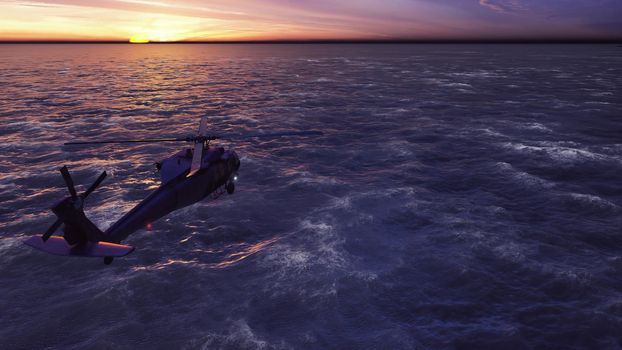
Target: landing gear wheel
x=108, y=260
x=230, y=187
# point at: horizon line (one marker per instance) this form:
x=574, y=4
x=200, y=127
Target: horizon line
x=338, y=41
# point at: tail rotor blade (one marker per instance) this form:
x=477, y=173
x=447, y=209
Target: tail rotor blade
x=69, y=182
x=51, y=230
x=94, y=185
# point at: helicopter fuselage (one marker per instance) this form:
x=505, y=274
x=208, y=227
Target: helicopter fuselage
x=187, y=177
x=177, y=190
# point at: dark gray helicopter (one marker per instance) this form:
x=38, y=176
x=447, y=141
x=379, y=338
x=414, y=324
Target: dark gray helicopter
x=187, y=177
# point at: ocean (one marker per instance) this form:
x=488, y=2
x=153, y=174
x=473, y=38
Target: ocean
x=461, y=197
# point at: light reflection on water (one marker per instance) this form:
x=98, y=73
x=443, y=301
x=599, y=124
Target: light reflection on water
x=229, y=255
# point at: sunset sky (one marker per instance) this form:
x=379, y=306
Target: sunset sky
x=172, y=20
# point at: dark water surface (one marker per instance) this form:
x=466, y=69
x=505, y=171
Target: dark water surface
x=462, y=196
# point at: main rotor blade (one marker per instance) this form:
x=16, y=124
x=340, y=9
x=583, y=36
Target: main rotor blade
x=51, y=230
x=203, y=137
x=270, y=135
x=126, y=141
x=68, y=181
x=203, y=127
x=94, y=185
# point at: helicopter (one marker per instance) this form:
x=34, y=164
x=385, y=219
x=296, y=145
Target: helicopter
x=187, y=177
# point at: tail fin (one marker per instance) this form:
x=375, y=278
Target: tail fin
x=78, y=228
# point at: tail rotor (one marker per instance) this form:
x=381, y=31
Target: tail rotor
x=77, y=201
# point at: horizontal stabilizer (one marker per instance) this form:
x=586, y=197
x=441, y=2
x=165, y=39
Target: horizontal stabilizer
x=58, y=246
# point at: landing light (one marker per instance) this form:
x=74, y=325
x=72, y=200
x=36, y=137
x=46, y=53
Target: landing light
x=235, y=178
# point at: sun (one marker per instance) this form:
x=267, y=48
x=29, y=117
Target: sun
x=139, y=39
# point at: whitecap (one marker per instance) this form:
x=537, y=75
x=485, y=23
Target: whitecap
x=524, y=178
x=592, y=199
x=457, y=85
x=509, y=251
x=536, y=126
x=322, y=80
x=561, y=154
x=305, y=177
x=492, y=132
x=601, y=94
x=239, y=336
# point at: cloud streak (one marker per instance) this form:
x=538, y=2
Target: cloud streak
x=491, y=5
x=501, y=6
